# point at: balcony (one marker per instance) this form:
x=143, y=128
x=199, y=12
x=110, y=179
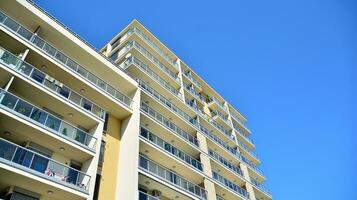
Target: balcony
x=31, y=73
x=225, y=163
x=148, y=56
x=168, y=124
x=260, y=186
x=155, y=47
x=145, y=196
x=27, y=160
x=168, y=104
x=193, y=93
x=169, y=148
x=231, y=186
x=44, y=119
x=62, y=58
x=143, y=68
x=245, y=137
x=240, y=122
x=189, y=76
x=172, y=178
x=214, y=103
x=226, y=122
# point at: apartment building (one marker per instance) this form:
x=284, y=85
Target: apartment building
x=129, y=121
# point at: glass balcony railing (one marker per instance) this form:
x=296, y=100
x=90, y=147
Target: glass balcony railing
x=236, y=118
x=46, y=120
x=220, y=115
x=168, y=124
x=190, y=77
x=28, y=160
x=149, y=72
x=167, y=147
x=247, y=149
x=215, y=100
x=251, y=165
x=62, y=58
x=219, y=197
x=147, y=54
x=171, y=177
x=13, y=62
x=260, y=186
x=222, y=130
x=193, y=92
x=230, y=185
x=155, y=47
x=168, y=103
x=225, y=162
x=219, y=142
x=239, y=131
x=145, y=196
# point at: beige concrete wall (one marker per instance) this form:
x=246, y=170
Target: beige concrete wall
x=127, y=182
x=111, y=159
x=205, y=160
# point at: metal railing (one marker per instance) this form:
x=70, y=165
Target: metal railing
x=193, y=92
x=225, y=162
x=168, y=124
x=171, y=177
x=155, y=47
x=260, y=186
x=167, y=147
x=62, y=58
x=145, y=196
x=48, y=168
x=230, y=185
x=220, y=115
x=167, y=103
x=32, y=73
x=243, y=135
x=190, y=77
x=149, y=72
x=46, y=120
x=133, y=44
x=215, y=100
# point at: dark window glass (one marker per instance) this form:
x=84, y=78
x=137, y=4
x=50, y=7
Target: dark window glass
x=38, y=76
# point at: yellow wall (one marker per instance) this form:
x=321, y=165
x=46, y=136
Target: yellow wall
x=110, y=165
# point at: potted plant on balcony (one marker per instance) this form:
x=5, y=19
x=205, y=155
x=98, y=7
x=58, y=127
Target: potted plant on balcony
x=37, y=116
x=52, y=125
x=22, y=110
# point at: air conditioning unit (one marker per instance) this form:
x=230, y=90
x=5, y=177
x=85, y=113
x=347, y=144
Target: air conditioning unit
x=59, y=84
x=156, y=193
x=49, y=78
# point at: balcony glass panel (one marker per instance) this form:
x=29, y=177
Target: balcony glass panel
x=57, y=55
x=165, y=122
x=171, y=177
x=170, y=149
x=230, y=185
x=46, y=120
x=39, y=77
x=31, y=161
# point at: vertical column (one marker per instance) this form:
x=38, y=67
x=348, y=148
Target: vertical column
x=248, y=185
x=90, y=166
x=127, y=182
x=205, y=160
x=230, y=119
x=178, y=61
x=110, y=164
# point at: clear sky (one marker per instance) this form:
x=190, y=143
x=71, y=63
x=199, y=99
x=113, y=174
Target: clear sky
x=289, y=66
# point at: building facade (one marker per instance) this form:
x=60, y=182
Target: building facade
x=129, y=121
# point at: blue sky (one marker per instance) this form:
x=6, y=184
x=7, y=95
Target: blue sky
x=289, y=66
